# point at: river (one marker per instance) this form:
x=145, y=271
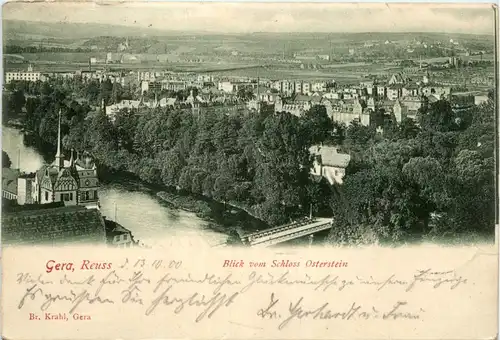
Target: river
x=150, y=220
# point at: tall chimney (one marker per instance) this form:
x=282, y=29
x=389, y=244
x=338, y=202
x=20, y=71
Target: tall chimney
x=59, y=162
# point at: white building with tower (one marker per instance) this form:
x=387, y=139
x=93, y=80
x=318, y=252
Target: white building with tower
x=28, y=75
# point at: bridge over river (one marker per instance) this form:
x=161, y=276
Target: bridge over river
x=286, y=232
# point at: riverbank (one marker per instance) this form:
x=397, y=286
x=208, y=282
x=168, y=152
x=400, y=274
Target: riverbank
x=230, y=222
x=223, y=217
x=229, y=219
x=187, y=203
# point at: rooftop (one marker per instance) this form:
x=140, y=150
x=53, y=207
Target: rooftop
x=330, y=156
x=60, y=225
x=113, y=229
x=9, y=180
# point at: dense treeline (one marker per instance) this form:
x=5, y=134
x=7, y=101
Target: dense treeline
x=431, y=179
x=15, y=49
x=435, y=180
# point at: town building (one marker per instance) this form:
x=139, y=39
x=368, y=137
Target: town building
x=381, y=91
x=298, y=87
x=438, y=91
x=72, y=182
x=349, y=110
x=91, y=75
x=394, y=91
x=173, y=85
x=318, y=86
x=480, y=98
x=9, y=183
x=118, y=236
x=329, y=164
x=235, y=86
x=368, y=87
x=285, y=87
x=154, y=86
x=397, y=78
x=296, y=107
x=462, y=100
x=61, y=75
x=263, y=94
x=410, y=90
x=28, y=75
x=148, y=76
x=299, y=105
x=112, y=110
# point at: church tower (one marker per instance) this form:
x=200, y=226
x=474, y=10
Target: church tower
x=59, y=162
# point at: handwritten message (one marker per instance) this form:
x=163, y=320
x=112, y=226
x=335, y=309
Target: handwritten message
x=277, y=299
x=68, y=295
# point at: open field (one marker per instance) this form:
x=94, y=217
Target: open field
x=488, y=56
x=342, y=72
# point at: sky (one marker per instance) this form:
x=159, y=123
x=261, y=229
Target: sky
x=266, y=17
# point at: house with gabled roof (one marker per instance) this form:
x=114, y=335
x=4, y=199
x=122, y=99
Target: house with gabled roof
x=328, y=163
x=73, y=181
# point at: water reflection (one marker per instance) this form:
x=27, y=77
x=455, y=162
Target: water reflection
x=154, y=223
x=21, y=156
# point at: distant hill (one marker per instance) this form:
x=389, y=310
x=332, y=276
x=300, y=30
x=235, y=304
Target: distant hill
x=13, y=29
x=63, y=30
x=149, y=40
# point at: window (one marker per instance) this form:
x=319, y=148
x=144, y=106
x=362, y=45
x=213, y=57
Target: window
x=46, y=196
x=71, y=196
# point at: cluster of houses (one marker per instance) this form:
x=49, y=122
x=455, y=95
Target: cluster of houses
x=401, y=95
x=31, y=75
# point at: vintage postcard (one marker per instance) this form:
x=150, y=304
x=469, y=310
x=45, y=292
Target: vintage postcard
x=249, y=171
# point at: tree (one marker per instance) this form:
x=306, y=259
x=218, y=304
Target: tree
x=18, y=100
x=316, y=125
x=106, y=91
x=440, y=117
x=6, y=163
x=338, y=134
x=358, y=136
x=245, y=94
x=171, y=164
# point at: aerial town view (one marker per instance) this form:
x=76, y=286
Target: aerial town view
x=133, y=134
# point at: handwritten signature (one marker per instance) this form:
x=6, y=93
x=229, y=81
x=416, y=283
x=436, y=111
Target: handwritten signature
x=324, y=311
